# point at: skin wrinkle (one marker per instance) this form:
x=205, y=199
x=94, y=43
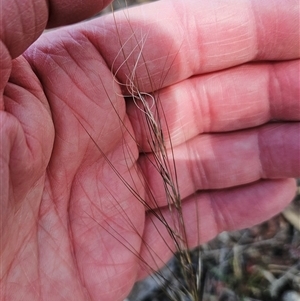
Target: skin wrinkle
x=197, y=157
x=57, y=246
x=221, y=222
x=85, y=72
x=69, y=76
x=66, y=141
x=58, y=198
x=242, y=108
x=276, y=27
x=60, y=216
x=279, y=92
x=188, y=21
x=198, y=107
x=97, y=221
x=269, y=47
x=210, y=110
x=47, y=91
x=25, y=25
x=27, y=168
x=272, y=79
x=93, y=38
x=24, y=269
x=257, y=22
x=108, y=276
x=234, y=90
x=21, y=250
x=261, y=149
x=76, y=269
x=181, y=13
x=33, y=141
x=5, y=71
x=199, y=174
x=207, y=111
x=237, y=95
x=226, y=42
x=23, y=10
x=135, y=251
x=217, y=21
x=52, y=242
x=39, y=274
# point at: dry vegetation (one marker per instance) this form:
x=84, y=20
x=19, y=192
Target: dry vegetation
x=260, y=263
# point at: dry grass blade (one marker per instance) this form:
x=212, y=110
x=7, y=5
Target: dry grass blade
x=150, y=106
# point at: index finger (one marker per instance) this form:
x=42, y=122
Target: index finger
x=179, y=39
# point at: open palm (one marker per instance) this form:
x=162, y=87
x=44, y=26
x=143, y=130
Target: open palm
x=70, y=229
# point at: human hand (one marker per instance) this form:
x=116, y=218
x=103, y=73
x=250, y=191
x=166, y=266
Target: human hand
x=61, y=224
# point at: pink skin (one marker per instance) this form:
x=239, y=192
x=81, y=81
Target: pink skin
x=64, y=235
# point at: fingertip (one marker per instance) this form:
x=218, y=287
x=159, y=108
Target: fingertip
x=69, y=12
x=22, y=22
x=252, y=204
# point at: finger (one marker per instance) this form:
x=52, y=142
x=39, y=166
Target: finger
x=213, y=212
x=214, y=35
x=23, y=21
x=238, y=98
x=227, y=160
x=70, y=11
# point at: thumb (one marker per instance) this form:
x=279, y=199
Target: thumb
x=23, y=21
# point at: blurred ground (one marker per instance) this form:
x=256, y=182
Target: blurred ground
x=257, y=264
